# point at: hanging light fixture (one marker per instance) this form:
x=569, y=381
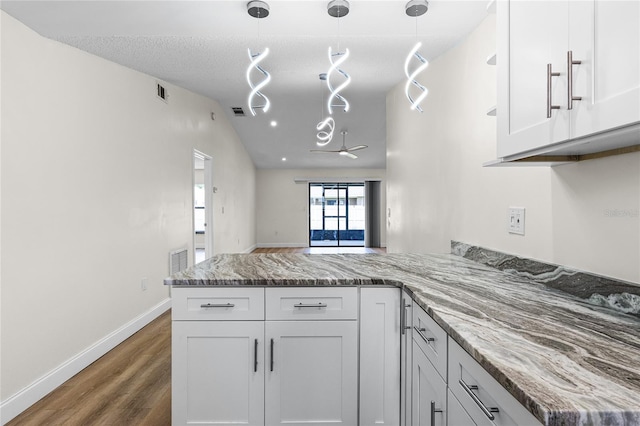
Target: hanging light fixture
x=326, y=126
x=415, y=8
x=259, y=10
x=337, y=9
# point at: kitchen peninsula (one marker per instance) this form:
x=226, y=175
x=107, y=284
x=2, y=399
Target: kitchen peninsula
x=566, y=361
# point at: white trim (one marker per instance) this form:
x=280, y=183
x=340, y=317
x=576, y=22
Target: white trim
x=278, y=245
x=250, y=249
x=28, y=396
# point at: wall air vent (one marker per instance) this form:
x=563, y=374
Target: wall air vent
x=238, y=111
x=162, y=93
x=178, y=260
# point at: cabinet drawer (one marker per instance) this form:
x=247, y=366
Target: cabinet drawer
x=431, y=339
x=217, y=304
x=482, y=397
x=311, y=303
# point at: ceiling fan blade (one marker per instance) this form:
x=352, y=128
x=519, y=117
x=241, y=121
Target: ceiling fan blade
x=355, y=148
x=350, y=155
x=322, y=150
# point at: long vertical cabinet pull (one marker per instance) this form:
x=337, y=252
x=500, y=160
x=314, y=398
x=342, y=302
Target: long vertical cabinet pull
x=271, y=351
x=550, y=105
x=570, y=64
x=403, y=317
x=434, y=410
x=255, y=356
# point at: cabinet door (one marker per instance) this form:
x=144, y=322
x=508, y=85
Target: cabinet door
x=605, y=37
x=456, y=415
x=531, y=34
x=429, y=392
x=379, y=356
x=406, y=316
x=312, y=373
x=217, y=372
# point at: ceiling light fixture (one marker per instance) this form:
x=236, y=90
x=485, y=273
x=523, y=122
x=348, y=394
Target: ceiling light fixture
x=259, y=10
x=326, y=126
x=273, y=123
x=337, y=9
x=415, y=8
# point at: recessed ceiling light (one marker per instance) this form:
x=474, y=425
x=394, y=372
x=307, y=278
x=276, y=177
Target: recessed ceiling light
x=284, y=158
x=274, y=123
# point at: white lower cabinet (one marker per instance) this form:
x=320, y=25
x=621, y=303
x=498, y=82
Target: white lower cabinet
x=406, y=342
x=312, y=373
x=379, y=356
x=456, y=415
x=481, y=396
x=217, y=373
x=429, y=392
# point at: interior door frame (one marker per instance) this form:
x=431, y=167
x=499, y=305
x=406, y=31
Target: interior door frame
x=209, y=189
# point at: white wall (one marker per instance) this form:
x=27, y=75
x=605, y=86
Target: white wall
x=96, y=190
x=282, y=215
x=437, y=190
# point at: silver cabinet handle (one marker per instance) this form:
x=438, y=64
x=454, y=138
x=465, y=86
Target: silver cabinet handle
x=570, y=64
x=255, y=356
x=550, y=105
x=421, y=331
x=217, y=305
x=434, y=410
x=271, y=351
x=487, y=411
x=310, y=305
x=403, y=318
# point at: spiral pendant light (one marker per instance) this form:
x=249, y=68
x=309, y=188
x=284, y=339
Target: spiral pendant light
x=338, y=9
x=257, y=99
x=415, y=8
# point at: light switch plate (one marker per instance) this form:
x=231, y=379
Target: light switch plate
x=515, y=220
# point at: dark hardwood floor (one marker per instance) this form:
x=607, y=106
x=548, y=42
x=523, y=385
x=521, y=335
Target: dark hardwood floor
x=131, y=384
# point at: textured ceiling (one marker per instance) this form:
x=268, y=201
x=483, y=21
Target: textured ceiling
x=202, y=46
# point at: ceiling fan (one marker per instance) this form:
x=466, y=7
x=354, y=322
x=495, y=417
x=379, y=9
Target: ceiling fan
x=343, y=150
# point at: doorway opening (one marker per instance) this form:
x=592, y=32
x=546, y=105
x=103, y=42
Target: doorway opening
x=202, y=206
x=336, y=215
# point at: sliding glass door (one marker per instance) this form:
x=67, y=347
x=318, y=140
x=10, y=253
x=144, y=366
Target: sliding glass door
x=336, y=214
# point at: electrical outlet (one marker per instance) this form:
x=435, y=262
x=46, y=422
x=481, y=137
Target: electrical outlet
x=143, y=284
x=515, y=220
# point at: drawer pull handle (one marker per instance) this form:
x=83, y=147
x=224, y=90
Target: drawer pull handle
x=310, y=305
x=487, y=411
x=217, y=305
x=255, y=356
x=421, y=331
x=434, y=410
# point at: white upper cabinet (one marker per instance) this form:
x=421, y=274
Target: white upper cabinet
x=545, y=100
x=605, y=37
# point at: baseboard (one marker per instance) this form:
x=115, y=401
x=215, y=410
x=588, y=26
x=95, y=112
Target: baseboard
x=279, y=245
x=28, y=396
x=250, y=249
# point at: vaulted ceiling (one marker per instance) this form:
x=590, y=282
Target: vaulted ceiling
x=202, y=46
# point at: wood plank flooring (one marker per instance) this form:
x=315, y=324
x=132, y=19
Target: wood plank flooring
x=131, y=384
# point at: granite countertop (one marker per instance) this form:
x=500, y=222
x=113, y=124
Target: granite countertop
x=568, y=361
